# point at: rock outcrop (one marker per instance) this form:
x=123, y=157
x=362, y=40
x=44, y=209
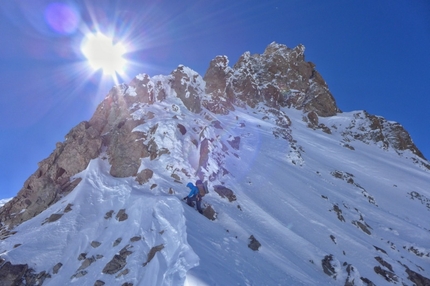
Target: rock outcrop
x=254, y=244
x=225, y=192
x=278, y=77
x=118, y=262
x=20, y=274
x=371, y=128
x=53, y=179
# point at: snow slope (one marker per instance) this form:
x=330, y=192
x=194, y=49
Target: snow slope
x=300, y=192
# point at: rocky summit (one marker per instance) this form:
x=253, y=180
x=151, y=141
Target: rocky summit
x=299, y=192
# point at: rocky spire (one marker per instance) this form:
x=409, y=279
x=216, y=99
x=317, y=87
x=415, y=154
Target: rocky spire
x=278, y=77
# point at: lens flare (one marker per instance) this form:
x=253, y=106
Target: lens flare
x=62, y=18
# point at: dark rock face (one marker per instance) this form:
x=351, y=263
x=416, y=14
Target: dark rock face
x=235, y=142
x=87, y=262
x=388, y=275
x=254, y=244
x=95, y=244
x=52, y=180
x=152, y=253
x=391, y=134
x=204, y=154
x=57, y=267
x=144, y=176
x=144, y=90
x=99, y=283
x=12, y=274
x=121, y=215
x=278, y=77
x=338, y=212
x=20, y=274
x=216, y=78
x=209, y=213
x=370, y=128
x=225, y=193
x=111, y=126
x=362, y=226
x=125, y=149
x=118, y=262
x=187, y=86
x=417, y=278
x=52, y=218
x=327, y=266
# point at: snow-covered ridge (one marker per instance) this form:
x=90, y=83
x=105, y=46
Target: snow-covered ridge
x=3, y=201
x=311, y=203
x=102, y=217
x=327, y=203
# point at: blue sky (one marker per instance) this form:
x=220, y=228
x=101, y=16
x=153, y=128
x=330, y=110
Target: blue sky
x=374, y=55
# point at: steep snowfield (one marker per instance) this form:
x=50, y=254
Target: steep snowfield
x=289, y=209
x=157, y=220
x=302, y=199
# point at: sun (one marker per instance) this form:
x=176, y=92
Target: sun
x=102, y=53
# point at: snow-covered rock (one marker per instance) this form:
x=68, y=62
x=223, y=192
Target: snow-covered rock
x=3, y=201
x=331, y=198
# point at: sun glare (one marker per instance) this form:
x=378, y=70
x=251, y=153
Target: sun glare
x=102, y=53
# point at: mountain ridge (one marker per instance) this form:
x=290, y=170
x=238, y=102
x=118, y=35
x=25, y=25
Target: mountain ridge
x=148, y=137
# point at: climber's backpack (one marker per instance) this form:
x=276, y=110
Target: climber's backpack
x=203, y=188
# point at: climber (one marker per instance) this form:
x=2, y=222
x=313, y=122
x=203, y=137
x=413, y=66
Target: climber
x=194, y=196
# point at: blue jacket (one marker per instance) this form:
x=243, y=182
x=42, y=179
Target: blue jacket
x=194, y=190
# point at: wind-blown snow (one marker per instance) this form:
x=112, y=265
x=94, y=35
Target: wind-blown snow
x=287, y=189
x=3, y=201
x=156, y=219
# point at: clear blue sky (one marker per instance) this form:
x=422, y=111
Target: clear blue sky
x=374, y=55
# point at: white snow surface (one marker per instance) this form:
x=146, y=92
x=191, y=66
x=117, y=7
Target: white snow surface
x=286, y=193
x=3, y=201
